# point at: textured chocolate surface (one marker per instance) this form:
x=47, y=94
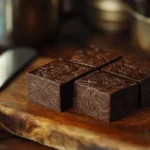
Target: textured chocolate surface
x=105, y=82
x=43, y=92
x=94, y=58
x=60, y=71
x=104, y=96
x=52, y=85
x=138, y=70
x=135, y=69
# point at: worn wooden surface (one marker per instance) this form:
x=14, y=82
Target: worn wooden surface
x=69, y=130
x=16, y=143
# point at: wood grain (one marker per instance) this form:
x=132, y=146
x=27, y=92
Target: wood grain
x=16, y=143
x=69, y=130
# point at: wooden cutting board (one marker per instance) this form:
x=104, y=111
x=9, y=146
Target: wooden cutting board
x=69, y=130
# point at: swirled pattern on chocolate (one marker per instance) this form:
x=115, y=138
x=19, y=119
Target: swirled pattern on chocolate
x=61, y=71
x=43, y=92
x=105, y=96
x=92, y=102
x=129, y=67
x=105, y=82
x=93, y=58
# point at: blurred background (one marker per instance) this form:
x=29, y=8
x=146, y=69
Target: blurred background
x=67, y=24
x=108, y=24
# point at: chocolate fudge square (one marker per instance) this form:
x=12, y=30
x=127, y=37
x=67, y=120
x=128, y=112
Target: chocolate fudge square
x=94, y=58
x=137, y=70
x=105, y=96
x=52, y=85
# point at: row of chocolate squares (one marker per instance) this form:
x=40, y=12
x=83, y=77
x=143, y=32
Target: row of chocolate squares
x=97, y=83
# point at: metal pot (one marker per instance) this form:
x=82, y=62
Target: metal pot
x=107, y=15
x=27, y=21
x=140, y=31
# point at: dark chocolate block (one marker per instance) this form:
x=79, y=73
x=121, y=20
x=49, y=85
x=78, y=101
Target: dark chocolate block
x=137, y=70
x=52, y=85
x=94, y=58
x=105, y=96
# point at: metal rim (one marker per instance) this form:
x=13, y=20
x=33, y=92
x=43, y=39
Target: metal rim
x=107, y=5
x=137, y=15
